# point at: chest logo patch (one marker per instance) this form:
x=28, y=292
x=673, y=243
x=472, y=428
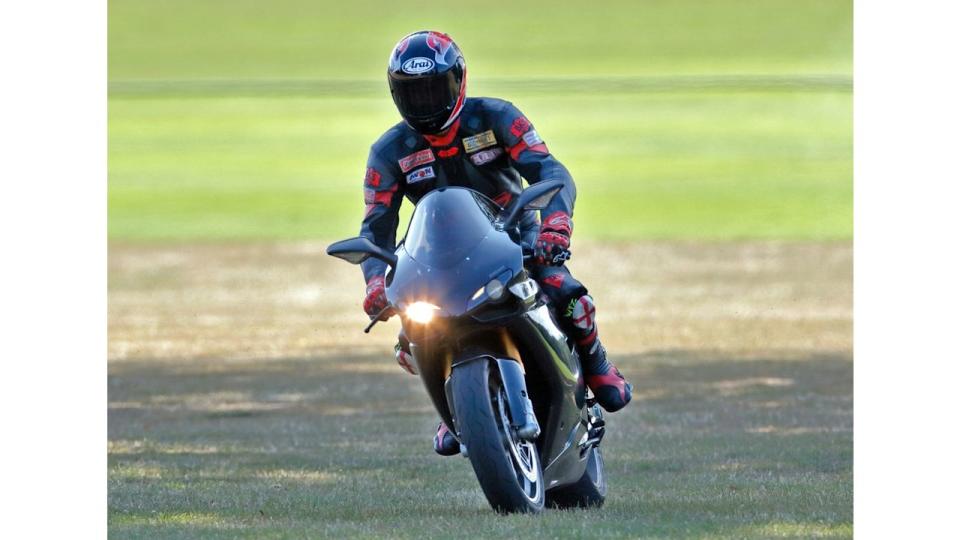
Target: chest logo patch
x=486, y=156
x=479, y=141
x=421, y=174
x=416, y=159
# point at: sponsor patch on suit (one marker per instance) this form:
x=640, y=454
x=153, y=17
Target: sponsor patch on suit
x=479, y=141
x=416, y=159
x=421, y=174
x=532, y=138
x=486, y=156
x=519, y=126
x=372, y=178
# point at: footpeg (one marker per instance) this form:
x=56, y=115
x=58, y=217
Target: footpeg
x=596, y=432
x=596, y=428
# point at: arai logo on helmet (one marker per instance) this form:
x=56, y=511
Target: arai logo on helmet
x=417, y=65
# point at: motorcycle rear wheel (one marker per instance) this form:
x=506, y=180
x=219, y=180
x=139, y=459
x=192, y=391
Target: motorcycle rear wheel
x=508, y=469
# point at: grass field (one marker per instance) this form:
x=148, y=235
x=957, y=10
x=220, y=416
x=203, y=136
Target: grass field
x=719, y=119
x=711, y=141
x=246, y=402
x=687, y=165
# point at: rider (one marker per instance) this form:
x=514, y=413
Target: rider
x=486, y=144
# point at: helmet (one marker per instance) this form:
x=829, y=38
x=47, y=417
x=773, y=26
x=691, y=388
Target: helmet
x=428, y=79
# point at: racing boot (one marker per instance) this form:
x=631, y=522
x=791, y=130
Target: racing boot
x=611, y=390
x=444, y=443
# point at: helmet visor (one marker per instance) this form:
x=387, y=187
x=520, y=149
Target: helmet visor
x=426, y=97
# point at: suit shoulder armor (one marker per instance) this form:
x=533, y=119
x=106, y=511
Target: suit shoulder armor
x=489, y=104
x=394, y=141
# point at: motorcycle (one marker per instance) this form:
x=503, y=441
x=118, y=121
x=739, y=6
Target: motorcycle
x=486, y=345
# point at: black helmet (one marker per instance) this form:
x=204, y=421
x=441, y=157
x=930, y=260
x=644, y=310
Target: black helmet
x=428, y=79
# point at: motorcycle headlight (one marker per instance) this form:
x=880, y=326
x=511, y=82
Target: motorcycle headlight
x=494, y=289
x=421, y=312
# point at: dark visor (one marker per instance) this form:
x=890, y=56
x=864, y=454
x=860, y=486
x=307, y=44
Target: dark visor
x=424, y=97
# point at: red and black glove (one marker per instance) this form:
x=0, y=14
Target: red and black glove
x=376, y=299
x=553, y=243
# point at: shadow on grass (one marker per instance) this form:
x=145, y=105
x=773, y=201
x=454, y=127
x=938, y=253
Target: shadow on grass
x=716, y=444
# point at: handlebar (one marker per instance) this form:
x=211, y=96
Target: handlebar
x=383, y=315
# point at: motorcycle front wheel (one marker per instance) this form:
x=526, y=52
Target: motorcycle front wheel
x=508, y=468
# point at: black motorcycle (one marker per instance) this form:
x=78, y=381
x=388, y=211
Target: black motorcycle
x=499, y=371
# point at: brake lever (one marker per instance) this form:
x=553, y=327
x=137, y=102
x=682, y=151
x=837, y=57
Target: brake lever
x=377, y=318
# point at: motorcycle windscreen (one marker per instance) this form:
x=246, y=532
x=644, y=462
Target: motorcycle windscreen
x=446, y=225
x=451, y=251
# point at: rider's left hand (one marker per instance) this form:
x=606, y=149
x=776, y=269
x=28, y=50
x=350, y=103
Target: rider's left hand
x=553, y=243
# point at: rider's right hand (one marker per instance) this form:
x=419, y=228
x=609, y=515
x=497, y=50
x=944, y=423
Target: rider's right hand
x=376, y=299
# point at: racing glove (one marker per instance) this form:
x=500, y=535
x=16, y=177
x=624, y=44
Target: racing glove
x=553, y=243
x=376, y=299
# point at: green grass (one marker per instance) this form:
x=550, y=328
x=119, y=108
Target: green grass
x=719, y=446
x=273, y=147
x=201, y=39
x=689, y=165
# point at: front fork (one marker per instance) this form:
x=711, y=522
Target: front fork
x=522, y=417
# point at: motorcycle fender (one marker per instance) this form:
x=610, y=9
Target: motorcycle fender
x=448, y=390
x=520, y=408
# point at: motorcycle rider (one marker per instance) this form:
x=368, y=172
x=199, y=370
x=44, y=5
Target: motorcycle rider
x=486, y=144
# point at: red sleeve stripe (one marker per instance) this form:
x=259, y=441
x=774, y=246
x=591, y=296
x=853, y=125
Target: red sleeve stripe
x=379, y=197
x=518, y=148
x=384, y=197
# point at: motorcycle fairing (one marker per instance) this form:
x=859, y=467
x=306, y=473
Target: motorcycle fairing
x=451, y=251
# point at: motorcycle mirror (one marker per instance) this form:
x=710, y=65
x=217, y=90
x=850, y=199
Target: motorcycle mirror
x=356, y=250
x=535, y=197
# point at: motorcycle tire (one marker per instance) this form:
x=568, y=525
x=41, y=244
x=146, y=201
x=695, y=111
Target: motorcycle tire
x=509, y=470
x=589, y=491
